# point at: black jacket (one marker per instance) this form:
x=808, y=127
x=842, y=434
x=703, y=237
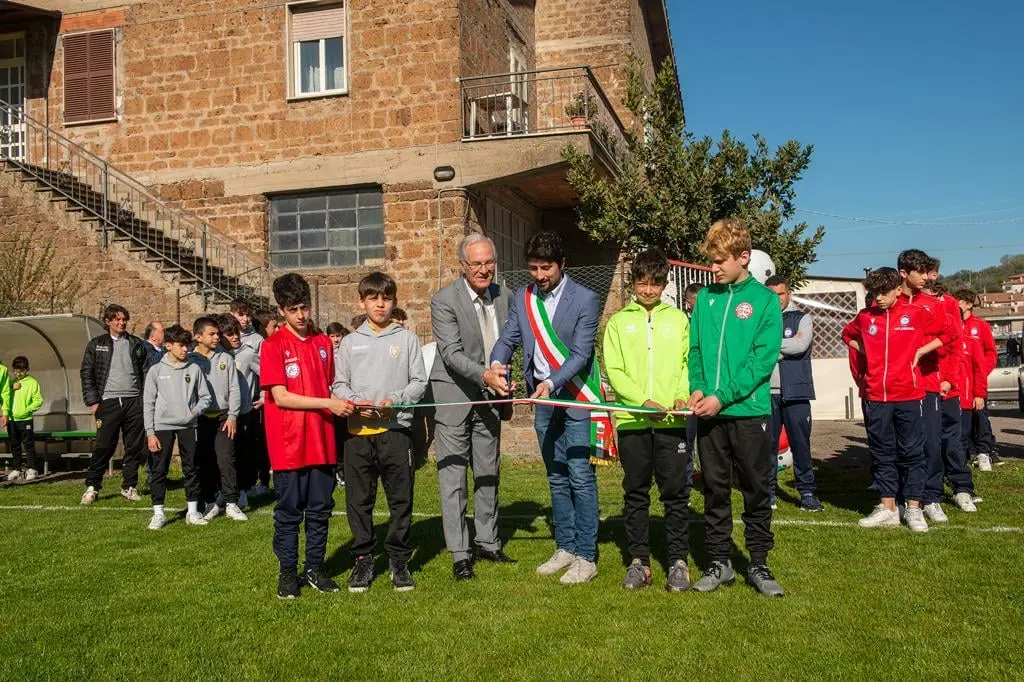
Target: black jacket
x=96, y=365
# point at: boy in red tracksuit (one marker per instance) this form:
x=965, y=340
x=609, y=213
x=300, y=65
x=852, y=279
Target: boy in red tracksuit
x=982, y=450
x=973, y=390
x=894, y=335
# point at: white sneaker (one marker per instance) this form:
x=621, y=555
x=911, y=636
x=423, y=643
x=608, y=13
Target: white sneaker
x=243, y=499
x=212, y=512
x=130, y=494
x=234, y=513
x=915, y=520
x=965, y=501
x=983, y=462
x=157, y=522
x=31, y=475
x=559, y=560
x=880, y=517
x=14, y=475
x=90, y=495
x=934, y=513
x=976, y=500
x=580, y=571
x=195, y=519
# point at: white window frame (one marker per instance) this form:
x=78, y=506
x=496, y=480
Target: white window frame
x=292, y=49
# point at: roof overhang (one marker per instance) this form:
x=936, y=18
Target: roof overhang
x=16, y=12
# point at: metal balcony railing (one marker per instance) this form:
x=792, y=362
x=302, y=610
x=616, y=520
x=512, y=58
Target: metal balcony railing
x=207, y=261
x=541, y=102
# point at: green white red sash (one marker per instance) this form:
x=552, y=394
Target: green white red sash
x=586, y=389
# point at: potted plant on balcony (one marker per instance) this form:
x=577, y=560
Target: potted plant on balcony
x=579, y=109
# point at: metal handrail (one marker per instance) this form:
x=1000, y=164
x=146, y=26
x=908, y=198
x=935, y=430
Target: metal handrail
x=214, y=261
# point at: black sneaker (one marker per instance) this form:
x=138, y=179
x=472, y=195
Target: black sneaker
x=288, y=585
x=761, y=578
x=362, y=574
x=400, y=576
x=810, y=503
x=318, y=580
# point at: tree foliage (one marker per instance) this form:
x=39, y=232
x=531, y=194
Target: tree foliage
x=671, y=185
x=987, y=280
x=30, y=284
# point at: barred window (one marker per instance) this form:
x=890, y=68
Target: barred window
x=336, y=228
x=832, y=311
x=510, y=232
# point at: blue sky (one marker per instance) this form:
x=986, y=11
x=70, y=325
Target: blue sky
x=915, y=110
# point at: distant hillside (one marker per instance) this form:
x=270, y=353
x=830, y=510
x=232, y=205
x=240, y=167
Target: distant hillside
x=986, y=280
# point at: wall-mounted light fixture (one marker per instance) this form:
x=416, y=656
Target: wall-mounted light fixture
x=444, y=174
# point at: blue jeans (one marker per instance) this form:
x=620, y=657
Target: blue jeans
x=565, y=447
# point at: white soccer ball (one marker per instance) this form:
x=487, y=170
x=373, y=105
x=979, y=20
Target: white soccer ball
x=785, y=459
x=761, y=265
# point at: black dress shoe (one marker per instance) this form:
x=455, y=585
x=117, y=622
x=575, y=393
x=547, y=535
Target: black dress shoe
x=464, y=570
x=497, y=556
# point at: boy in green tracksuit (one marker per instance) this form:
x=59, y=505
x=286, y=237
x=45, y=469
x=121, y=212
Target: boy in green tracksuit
x=6, y=396
x=735, y=339
x=27, y=400
x=645, y=354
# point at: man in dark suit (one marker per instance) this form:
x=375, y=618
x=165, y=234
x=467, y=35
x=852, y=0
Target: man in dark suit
x=466, y=317
x=564, y=434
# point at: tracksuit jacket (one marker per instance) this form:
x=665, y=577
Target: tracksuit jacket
x=890, y=339
x=735, y=340
x=222, y=375
x=931, y=380
x=96, y=365
x=645, y=356
x=6, y=392
x=980, y=330
x=974, y=377
x=173, y=396
x=27, y=399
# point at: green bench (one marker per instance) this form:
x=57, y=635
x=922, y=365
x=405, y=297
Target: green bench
x=47, y=437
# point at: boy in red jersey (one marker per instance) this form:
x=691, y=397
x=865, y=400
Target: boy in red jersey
x=982, y=450
x=893, y=335
x=296, y=371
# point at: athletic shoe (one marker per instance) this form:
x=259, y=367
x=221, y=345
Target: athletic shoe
x=362, y=574
x=288, y=585
x=195, y=519
x=158, y=521
x=130, y=494
x=580, y=571
x=559, y=560
x=933, y=512
x=90, y=495
x=763, y=581
x=318, y=580
x=810, y=503
x=965, y=501
x=915, y=520
x=678, y=576
x=976, y=499
x=243, y=499
x=234, y=512
x=983, y=462
x=637, y=577
x=212, y=512
x=880, y=517
x=339, y=478
x=773, y=502
x=400, y=576
x=31, y=475
x=14, y=475
x=718, y=573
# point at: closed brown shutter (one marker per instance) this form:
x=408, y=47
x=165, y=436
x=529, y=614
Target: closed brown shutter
x=318, y=22
x=89, y=91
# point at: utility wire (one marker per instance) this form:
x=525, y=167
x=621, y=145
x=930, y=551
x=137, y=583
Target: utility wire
x=922, y=223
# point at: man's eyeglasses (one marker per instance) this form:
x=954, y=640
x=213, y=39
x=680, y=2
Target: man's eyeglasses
x=478, y=267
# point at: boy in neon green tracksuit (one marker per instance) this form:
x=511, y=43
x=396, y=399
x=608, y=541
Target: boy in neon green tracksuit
x=735, y=339
x=6, y=396
x=645, y=353
x=27, y=400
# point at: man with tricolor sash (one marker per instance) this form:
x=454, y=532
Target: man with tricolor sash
x=554, y=319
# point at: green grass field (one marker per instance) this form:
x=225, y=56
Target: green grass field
x=90, y=593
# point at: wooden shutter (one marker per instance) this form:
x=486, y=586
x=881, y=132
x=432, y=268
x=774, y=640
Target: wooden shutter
x=318, y=22
x=89, y=93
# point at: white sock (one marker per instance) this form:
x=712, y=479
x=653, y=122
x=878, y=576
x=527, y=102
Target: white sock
x=158, y=509
x=193, y=507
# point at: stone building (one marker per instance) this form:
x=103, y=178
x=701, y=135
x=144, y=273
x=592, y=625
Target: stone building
x=182, y=152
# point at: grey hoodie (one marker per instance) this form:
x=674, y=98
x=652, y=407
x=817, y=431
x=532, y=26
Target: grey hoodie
x=247, y=362
x=173, y=396
x=372, y=366
x=222, y=376
x=253, y=339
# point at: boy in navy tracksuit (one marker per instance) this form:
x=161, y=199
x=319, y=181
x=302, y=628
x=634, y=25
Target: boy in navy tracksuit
x=894, y=335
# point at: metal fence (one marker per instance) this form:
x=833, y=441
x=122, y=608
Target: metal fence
x=604, y=280
x=832, y=311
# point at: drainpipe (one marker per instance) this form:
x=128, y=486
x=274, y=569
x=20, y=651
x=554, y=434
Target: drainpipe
x=440, y=227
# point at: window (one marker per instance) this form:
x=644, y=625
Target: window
x=510, y=233
x=317, y=39
x=334, y=228
x=12, y=91
x=89, y=88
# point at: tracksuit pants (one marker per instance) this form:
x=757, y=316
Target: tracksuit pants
x=305, y=494
x=740, y=446
x=118, y=416
x=896, y=443
x=795, y=415
x=983, y=441
x=953, y=463
x=258, y=456
x=386, y=456
x=215, y=457
x=663, y=454
x=245, y=445
x=186, y=439
x=23, y=439
x=931, y=424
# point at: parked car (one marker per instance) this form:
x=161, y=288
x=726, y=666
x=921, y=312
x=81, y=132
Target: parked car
x=1006, y=381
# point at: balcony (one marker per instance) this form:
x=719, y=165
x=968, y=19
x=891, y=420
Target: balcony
x=543, y=102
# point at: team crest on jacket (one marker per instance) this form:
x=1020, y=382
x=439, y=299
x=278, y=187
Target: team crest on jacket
x=744, y=311
x=188, y=379
x=291, y=370
x=974, y=331
x=394, y=351
x=323, y=354
x=787, y=332
x=873, y=329
x=905, y=320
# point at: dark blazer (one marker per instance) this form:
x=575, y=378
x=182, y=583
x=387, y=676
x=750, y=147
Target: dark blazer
x=575, y=322
x=457, y=374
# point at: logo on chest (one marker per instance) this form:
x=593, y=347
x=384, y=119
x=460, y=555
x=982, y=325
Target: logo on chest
x=744, y=311
x=291, y=370
x=394, y=351
x=787, y=332
x=323, y=354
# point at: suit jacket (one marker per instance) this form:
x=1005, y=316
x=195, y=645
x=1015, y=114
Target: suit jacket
x=575, y=322
x=460, y=348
